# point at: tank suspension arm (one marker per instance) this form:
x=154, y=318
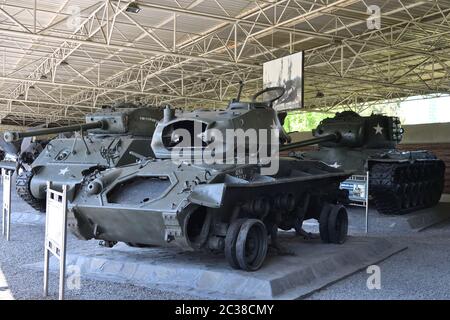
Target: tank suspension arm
x=330, y=137
x=11, y=136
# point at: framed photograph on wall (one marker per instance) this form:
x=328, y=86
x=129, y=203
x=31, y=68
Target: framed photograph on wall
x=286, y=72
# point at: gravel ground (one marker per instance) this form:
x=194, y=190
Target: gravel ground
x=26, y=246
x=420, y=272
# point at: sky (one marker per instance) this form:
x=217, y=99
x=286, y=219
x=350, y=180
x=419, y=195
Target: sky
x=419, y=111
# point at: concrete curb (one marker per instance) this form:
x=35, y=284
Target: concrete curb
x=312, y=266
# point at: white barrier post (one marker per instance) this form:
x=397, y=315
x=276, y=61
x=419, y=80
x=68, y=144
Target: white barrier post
x=6, y=207
x=55, y=235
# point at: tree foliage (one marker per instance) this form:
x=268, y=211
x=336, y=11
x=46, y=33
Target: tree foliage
x=303, y=121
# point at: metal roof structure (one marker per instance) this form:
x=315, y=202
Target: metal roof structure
x=64, y=58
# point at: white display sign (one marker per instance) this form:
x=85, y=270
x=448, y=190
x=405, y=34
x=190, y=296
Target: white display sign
x=55, y=221
x=286, y=72
x=356, y=189
x=6, y=207
x=55, y=235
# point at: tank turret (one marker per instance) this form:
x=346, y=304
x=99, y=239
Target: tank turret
x=376, y=131
x=115, y=120
x=194, y=131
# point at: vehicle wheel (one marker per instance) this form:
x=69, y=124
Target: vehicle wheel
x=323, y=223
x=251, y=245
x=230, y=242
x=338, y=225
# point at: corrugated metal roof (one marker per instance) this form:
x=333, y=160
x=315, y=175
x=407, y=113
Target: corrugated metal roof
x=134, y=57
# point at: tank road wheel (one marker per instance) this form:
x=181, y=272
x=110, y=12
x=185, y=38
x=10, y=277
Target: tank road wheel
x=338, y=224
x=251, y=245
x=23, y=190
x=230, y=242
x=323, y=223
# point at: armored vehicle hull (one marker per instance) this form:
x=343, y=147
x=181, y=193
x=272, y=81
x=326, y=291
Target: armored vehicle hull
x=399, y=182
x=198, y=207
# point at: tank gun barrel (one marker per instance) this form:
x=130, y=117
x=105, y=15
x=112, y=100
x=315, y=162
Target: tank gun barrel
x=329, y=137
x=11, y=136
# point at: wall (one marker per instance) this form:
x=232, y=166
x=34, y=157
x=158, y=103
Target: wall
x=433, y=137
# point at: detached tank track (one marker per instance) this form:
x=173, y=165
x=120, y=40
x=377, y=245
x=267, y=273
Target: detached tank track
x=399, y=188
x=23, y=190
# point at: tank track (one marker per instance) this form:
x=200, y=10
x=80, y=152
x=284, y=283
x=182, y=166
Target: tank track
x=402, y=187
x=23, y=190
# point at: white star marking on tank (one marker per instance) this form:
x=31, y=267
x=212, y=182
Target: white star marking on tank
x=378, y=129
x=335, y=165
x=63, y=171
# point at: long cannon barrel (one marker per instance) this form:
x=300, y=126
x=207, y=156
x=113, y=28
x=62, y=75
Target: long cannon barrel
x=11, y=136
x=329, y=137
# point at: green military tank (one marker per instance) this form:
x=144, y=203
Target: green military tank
x=399, y=181
x=114, y=136
x=234, y=206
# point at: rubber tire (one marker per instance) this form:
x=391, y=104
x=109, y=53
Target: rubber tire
x=338, y=225
x=241, y=245
x=230, y=242
x=323, y=223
